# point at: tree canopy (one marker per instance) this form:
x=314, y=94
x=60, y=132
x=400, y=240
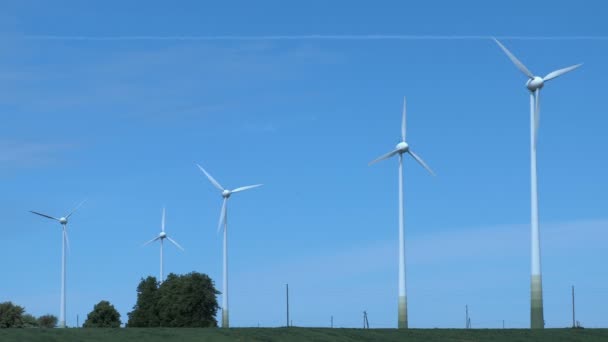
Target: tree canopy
x=14, y=316
x=11, y=315
x=180, y=301
x=104, y=315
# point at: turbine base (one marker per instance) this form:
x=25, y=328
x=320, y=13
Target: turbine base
x=225, y=323
x=402, y=319
x=537, y=320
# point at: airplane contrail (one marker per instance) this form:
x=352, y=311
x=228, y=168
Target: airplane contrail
x=304, y=37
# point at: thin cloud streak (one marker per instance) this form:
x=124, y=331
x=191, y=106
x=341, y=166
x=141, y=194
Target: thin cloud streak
x=306, y=37
x=19, y=154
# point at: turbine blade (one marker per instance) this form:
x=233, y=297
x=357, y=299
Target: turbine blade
x=149, y=242
x=44, y=215
x=162, y=224
x=560, y=72
x=421, y=162
x=403, y=122
x=514, y=59
x=243, y=188
x=222, y=215
x=211, y=179
x=385, y=156
x=175, y=243
x=77, y=207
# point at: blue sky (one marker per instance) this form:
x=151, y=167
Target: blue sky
x=90, y=111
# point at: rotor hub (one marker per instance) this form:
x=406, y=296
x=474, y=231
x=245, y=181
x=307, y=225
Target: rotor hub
x=63, y=220
x=535, y=83
x=402, y=147
x=162, y=235
x=226, y=193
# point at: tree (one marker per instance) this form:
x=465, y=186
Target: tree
x=11, y=315
x=144, y=312
x=47, y=321
x=180, y=301
x=104, y=315
x=29, y=321
x=188, y=301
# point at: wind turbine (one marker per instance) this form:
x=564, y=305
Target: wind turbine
x=400, y=149
x=534, y=85
x=161, y=236
x=224, y=219
x=64, y=242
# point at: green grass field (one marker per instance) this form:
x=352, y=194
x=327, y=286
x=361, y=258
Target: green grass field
x=300, y=334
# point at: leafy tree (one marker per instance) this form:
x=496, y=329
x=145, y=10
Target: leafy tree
x=144, y=312
x=180, y=301
x=104, y=315
x=11, y=315
x=29, y=321
x=47, y=321
x=188, y=301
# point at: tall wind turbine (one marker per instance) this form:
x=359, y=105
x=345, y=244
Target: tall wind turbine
x=534, y=85
x=224, y=220
x=400, y=149
x=64, y=243
x=161, y=236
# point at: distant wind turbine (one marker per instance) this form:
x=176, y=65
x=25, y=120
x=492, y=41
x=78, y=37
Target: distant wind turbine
x=224, y=220
x=400, y=149
x=161, y=236
x=534, y=85
x=64, y=243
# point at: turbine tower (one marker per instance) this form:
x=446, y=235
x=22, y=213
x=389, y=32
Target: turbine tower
x=534, y=85
x=400, y=149
x=64, y=243
x=224, y=220
x=161, y=236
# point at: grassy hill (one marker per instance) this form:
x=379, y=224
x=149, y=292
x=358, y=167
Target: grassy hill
x=300, y=334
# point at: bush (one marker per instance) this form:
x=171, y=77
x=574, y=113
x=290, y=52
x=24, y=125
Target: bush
x=29, y=321
x=47, y=321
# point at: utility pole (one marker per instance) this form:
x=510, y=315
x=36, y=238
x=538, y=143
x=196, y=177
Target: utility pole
x=573, y=317
x=287, y=288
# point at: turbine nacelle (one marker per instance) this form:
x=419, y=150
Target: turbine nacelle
x=402, y=147
x=535, y=83
x=63, y=220
x=226, y=193
x=162, y=235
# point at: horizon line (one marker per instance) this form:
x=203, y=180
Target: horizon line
x=299, y=37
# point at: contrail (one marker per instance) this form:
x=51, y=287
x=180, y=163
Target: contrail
x=304, y=37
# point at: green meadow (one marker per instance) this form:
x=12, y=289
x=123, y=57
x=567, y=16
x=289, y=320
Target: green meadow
x=299, y=334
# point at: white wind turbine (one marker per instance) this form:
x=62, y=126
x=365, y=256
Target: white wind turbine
x=534, y=85
x=64, y=243
x=400, y=149
x=161, y=236
x=224, y=219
